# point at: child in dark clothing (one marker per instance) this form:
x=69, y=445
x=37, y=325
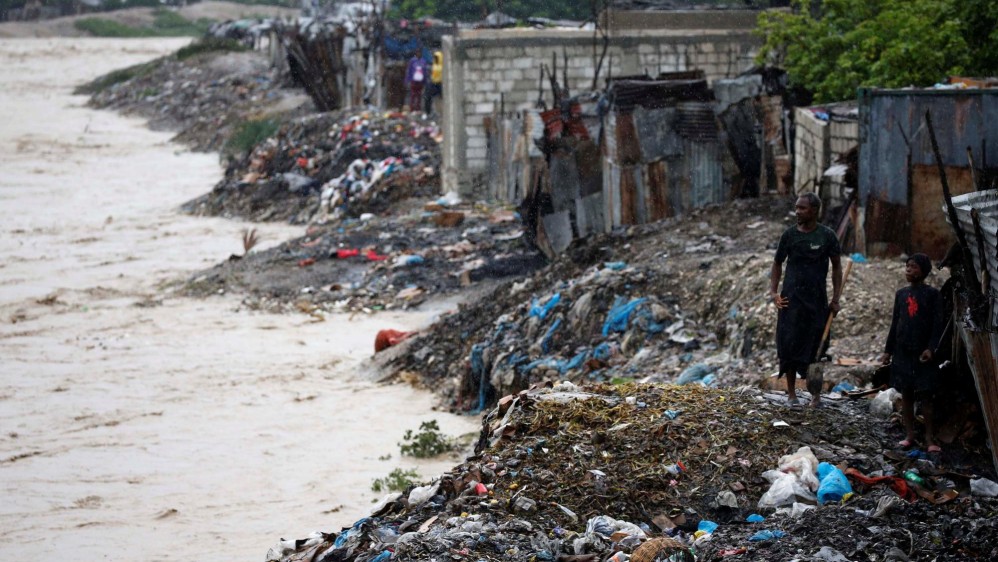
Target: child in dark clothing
x=916, y=327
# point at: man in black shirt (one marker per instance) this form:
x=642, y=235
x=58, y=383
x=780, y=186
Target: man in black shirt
x=803, y=303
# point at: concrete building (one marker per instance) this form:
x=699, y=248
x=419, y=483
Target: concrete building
x=489, y=70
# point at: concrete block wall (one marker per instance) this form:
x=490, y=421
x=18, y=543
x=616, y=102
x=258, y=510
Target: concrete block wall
x=489, y=70
x=810, y=150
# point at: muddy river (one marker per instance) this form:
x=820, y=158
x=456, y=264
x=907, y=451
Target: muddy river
x=136, y=424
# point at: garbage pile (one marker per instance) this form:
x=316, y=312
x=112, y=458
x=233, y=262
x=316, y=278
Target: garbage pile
x=684, y=300
x=204, y=97
x=631, y=471
x=328, y=166
x=378, y=262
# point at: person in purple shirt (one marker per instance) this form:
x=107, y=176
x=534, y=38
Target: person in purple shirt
x=416, y=76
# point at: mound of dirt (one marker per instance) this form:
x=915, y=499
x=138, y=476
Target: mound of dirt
x=683, y=299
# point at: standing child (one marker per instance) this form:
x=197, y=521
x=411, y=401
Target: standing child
x=916, y=327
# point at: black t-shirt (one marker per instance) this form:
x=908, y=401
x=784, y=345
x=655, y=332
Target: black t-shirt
x=807, y=255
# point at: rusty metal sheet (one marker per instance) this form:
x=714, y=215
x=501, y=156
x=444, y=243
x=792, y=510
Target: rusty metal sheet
x=982, y=352
x=887, y=117
x=657, y=188
x=628, y=149
x=930, y=232
x=629, y=196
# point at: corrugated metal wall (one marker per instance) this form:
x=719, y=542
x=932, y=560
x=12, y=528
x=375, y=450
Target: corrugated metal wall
x=902, y=201
x=888, y=117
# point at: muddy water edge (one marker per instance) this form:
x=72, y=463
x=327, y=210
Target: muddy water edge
x=137, y=425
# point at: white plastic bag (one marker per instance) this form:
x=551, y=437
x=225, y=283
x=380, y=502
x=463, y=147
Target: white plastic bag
x=804, y=464
x=883, y=405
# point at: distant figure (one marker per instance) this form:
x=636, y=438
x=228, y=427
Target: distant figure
x=916, y=328
x=436, y=87
x=415, y=80
x=803, y=304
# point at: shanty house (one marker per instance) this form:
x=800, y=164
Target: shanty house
x=900, y=186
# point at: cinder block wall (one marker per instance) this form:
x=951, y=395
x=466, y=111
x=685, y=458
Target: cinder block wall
x=810, y=150
x=483, y=68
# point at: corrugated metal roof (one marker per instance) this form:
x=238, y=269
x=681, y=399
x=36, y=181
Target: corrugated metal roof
x=625, y=95
x=891, y=119
x=986, y=204
x=696, y=121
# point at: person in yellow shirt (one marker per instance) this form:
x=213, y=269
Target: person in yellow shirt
x=435, y=88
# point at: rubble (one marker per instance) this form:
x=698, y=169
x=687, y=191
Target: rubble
x=326, y=166
x=697, y=288
x=204, y=92
x=586, y=473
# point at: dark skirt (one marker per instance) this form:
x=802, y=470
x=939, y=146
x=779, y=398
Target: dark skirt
x=908, y=374
x=798, y=334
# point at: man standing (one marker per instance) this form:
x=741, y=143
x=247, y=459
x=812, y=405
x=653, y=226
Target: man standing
x=803, y=303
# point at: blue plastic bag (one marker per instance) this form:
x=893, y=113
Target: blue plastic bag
x=707, y=526
x=620, y=315
x=615, y=265
x=766, y=536
x=541, y=311
x=832, y=484
x=694, y=373
x=843, y=387
x=755, y=518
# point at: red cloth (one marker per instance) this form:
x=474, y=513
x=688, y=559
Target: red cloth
x=349, y=253
x=896, y=483
x=388, y=338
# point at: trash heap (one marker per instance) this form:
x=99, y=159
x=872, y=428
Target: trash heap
x=611, y=472
x=378, y=262
x=203, y=97
x=684, y=300
x=329, y=166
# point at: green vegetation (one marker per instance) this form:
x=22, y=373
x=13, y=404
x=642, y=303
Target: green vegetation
x=165, y=23
x=428, y=442
x=396, y=481
x=249, y=134
x=208, y=45
x=117, y=77
x=832, y=47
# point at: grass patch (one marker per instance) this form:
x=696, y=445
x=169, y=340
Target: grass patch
x=396, y=481
x=250, y=133
x=165, y=23
x=209, y=45
x=116, y=77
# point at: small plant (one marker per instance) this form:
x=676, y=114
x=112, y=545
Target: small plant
x=429, y=442
x=250, y=239
x=396, y=481
x=250, y=133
